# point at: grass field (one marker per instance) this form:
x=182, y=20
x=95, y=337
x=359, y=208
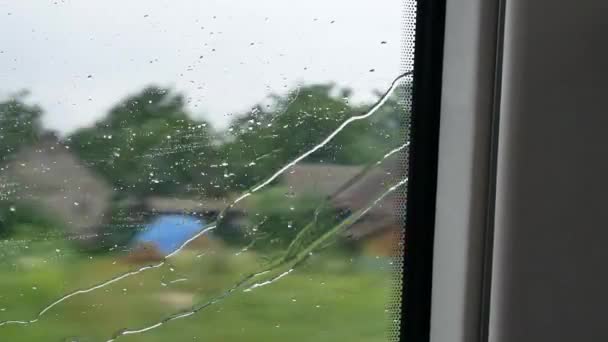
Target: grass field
x=331, y=297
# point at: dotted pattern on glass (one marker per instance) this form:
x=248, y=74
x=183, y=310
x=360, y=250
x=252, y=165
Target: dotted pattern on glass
x=405, y=95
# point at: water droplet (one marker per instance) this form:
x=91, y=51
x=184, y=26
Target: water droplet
x=13, y=209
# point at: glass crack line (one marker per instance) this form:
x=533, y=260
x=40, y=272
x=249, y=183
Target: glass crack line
x=292, y=262
x=385, y=96
x=108, y=282
x=374, y=108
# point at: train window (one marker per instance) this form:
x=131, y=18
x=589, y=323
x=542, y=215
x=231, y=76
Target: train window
x=217, y=170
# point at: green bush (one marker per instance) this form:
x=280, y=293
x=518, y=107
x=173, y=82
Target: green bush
x=276, y=218
x=25, y=219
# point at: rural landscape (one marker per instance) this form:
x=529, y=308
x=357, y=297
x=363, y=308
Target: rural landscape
x=153, y=225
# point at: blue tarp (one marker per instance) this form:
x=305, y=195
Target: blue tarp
x=168, y=232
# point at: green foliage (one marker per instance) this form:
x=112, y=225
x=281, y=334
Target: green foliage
x=19, y=125
x=149, y=144
x=279, y=218
x=270, y=136
x=25, y=219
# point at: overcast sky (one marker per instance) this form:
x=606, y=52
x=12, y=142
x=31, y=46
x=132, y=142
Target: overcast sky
x=224, y=55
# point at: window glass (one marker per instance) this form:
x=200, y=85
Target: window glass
x=202, y=170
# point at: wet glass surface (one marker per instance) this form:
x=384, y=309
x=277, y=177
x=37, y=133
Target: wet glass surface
x=201, y=170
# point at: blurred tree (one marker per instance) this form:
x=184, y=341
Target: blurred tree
x=149, y=144
x=19, y=125
x=270, y=136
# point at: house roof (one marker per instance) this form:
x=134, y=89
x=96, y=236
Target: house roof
x=319, y=179
x=175, y=205
x=355, y=188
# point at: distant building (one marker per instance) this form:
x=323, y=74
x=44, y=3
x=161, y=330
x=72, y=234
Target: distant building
x=51, y=179
x=353, y=188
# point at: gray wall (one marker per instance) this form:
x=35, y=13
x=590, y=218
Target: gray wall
x=463, y=172
x=550, y=278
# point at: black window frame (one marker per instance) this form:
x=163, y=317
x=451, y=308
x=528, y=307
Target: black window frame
x=422, y=171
